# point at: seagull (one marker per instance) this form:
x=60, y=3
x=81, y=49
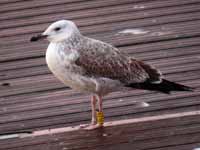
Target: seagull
x=98, y=68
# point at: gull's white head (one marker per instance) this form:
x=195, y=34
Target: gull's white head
x=58, y=31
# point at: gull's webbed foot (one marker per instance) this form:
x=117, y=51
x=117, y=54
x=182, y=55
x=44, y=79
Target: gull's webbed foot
x=93, y=122
x=93, y=127
x=97, y=117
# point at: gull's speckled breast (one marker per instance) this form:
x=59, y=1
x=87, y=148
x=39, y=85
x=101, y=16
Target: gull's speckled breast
x=61, y=64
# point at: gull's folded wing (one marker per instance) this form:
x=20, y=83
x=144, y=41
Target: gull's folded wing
x=99, y=59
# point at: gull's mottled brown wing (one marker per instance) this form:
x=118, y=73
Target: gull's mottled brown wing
x=99, y=59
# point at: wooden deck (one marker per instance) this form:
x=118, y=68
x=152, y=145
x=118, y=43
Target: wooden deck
x=32, y=100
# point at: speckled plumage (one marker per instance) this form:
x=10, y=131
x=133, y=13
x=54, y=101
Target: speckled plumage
x=93, y=66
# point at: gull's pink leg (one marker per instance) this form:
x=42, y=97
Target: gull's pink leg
x=100, y=105
x=100, y=108
x=93, y=104
x=100, y=116
x=94, y=118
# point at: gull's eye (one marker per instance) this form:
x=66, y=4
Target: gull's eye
x=57, y=29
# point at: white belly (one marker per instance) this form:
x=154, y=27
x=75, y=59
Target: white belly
x=59, y=67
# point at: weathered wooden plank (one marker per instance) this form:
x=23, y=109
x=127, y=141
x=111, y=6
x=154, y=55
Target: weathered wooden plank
x=85, y=115
x=152, y=144
x=73, y=97
x=103, y=19
x=57, y=146
x=9, y=1
x=64, y=120
x=70, y=110
x=46, y=3
x=164, y=55
x=47, y=82
x=29, y=97
x=150, y=38
x=139, y=5
x=136, y=137
x=146, y=132
x=33, y=84
x=181, y=147
x=151, y=57
x=16, y=52
x=33, y=62
x=162, y=45
x=24, y=72
x=173, y=29
x=37, y=83
x=60, y=11
x=75, y=104
x=183, y=119
x=155, y=59
x=155, y=31
x=154, y=37
x=139, y=23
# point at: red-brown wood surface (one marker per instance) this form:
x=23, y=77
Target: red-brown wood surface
x=32, y=99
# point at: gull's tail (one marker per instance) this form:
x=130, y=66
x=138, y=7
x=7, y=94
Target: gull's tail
x=165, y=86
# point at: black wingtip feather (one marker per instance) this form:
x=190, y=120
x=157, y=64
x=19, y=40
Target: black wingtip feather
x=33, y=39
x=172, y=86
x=165, y=86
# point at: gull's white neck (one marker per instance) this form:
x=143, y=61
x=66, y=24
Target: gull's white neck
x=63, y=52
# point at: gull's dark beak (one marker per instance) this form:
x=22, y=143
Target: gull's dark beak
x=38, y=37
